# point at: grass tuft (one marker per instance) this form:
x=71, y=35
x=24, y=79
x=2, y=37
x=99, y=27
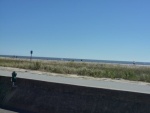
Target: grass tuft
x=135, y=73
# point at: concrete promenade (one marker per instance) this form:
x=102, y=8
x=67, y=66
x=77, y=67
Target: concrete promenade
x=122, y=85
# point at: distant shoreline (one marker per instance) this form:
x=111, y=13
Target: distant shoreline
x=77, y=60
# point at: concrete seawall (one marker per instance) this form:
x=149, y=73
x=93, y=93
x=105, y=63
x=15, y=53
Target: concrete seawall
x=46, y=97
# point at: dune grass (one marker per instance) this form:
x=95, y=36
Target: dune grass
x=134, y=73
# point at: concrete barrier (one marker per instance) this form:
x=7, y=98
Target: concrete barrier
x=46, y=97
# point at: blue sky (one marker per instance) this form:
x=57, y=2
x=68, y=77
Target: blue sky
x=90, y=29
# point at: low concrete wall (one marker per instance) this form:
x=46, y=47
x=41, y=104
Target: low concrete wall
x=45, y=97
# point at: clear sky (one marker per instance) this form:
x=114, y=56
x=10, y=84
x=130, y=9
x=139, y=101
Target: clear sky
x=90, y=29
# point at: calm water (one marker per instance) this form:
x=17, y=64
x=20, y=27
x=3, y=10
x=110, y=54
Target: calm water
x=77, y=60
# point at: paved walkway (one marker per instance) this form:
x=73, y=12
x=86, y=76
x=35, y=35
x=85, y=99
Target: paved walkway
x=6, y=111
x=106, y=84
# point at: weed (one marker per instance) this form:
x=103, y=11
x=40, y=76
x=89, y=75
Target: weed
x=136, y=73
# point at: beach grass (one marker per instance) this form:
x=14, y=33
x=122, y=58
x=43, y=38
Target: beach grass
x=97, y=70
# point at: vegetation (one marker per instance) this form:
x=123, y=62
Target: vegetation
x=135, y=73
